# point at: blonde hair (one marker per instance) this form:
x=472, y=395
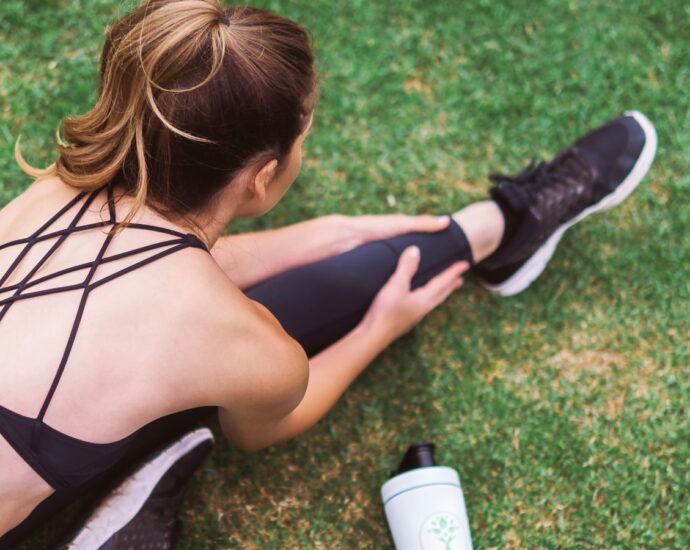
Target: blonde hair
x=189, y=95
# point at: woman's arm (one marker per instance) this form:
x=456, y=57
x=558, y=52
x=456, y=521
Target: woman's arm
x=330, y=373
x=394, y=312
x=250, y=258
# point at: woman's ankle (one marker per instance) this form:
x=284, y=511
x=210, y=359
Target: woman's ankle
x=484, y=225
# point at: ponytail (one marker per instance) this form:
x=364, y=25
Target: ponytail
x=189, y=94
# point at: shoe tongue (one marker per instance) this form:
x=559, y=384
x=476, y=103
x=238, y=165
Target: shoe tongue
x=510, y=194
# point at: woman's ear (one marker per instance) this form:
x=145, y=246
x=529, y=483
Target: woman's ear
x=263, y=179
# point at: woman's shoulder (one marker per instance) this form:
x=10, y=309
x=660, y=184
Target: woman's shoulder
x=236, y=321
x=228, y=346
x=37, y=198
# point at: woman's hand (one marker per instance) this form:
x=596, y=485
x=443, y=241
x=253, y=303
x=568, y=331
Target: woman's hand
x=396, y=308
x=358, y=230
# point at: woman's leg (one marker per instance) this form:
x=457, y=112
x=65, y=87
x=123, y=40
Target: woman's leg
x=318, y=303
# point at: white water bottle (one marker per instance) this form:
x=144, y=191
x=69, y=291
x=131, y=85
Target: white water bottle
x=424, y=504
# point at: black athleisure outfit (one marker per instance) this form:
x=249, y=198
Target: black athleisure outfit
x=317, y=304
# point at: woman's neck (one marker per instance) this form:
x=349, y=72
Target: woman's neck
x=207, y=225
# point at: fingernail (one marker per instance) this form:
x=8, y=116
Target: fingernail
x=414, y=251
x=443, y=219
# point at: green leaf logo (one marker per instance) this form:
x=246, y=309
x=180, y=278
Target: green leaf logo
x=441, y=531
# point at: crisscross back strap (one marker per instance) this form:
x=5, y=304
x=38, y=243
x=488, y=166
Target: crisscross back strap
x=17, y=290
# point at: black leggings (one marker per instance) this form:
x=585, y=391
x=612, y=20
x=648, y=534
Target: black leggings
x=320, y=302
x=317, y=304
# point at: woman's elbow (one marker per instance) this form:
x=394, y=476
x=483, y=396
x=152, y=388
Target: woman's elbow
x=250, y=446
x=245, y=442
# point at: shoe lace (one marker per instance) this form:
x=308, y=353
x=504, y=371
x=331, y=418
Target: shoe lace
x=564, y=184
x=565, y=169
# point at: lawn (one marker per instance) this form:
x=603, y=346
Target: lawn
x=566, y=409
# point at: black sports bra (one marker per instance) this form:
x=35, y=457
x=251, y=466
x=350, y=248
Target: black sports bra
x=65, y=462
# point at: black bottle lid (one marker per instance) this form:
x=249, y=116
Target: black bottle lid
x=419, y=455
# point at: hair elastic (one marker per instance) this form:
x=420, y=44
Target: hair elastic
x=225, y=19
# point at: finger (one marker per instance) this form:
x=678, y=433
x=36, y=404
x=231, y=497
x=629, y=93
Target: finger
x=447, y=292
x=441, y=295
x=391, y=225
x=428, y=302
x=408, y=262
x=442, y=282
x=426, y=224
x=440, y=298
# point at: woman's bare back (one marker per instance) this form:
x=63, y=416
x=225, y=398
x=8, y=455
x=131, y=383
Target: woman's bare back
x=140, y=351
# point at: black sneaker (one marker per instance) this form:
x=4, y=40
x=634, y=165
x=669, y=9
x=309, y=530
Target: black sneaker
x=596, y=173
x=142, y=512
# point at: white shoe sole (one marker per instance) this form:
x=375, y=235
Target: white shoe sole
x=534, y=266
x=126, y=501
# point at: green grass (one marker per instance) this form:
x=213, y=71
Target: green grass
x=565, y=409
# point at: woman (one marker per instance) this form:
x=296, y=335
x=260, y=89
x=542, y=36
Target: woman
x=113, y=260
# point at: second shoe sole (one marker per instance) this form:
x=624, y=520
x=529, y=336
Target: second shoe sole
x=128, y=499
